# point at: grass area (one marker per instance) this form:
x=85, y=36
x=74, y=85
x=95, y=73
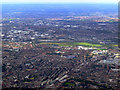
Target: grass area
x=27, y=82
x=59, y=44
x=73, y=44
x=68, y=44
x=88, y=44
x=32, y=78
x=11, y=19
x=115, y=45
x=69, y=84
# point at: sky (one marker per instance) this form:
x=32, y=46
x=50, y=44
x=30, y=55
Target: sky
x=59, y=1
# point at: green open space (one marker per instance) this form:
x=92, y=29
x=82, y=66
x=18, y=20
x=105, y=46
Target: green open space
x=69, y=84
x=72, y=44
x=85, y=44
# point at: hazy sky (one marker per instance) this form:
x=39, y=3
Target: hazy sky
x=60, y=1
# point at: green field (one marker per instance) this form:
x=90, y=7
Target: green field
x=73, y=44
x=87, y=44
x=69, y=84
x=115, y=45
